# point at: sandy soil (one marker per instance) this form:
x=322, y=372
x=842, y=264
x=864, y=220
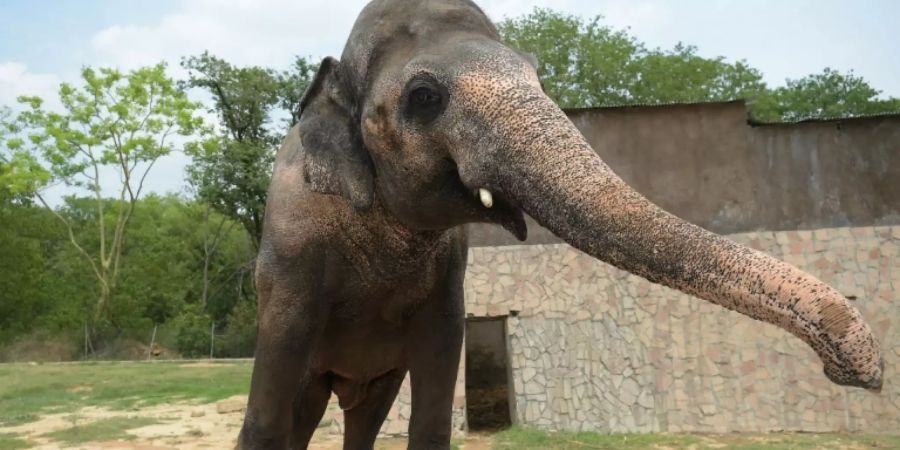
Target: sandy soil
x=182, y=426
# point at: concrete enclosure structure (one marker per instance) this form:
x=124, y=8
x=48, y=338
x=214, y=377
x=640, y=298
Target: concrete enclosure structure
x=589, y=347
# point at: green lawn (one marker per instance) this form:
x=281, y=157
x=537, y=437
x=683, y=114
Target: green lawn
x=526, y=438
x=101, y=430
x=529, y=439
x=11, y=442
x=28, y=391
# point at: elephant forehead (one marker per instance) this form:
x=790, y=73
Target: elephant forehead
x=496, y=73
x=384, y=26
x=502, y=97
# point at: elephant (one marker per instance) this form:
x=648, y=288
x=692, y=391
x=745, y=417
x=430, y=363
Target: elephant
x=426, y=123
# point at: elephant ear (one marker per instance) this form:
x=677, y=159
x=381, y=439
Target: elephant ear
x=336, y=160
x=530, y=58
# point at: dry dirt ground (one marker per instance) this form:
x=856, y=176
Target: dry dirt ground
x=181, y=426
x=184, y=426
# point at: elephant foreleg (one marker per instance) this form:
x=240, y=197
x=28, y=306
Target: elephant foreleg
x=291, y=317
x=363, y=421
x=309, y=406
x=435, y=346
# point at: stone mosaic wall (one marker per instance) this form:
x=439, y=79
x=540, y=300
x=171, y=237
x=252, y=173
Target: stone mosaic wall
x=593, y=348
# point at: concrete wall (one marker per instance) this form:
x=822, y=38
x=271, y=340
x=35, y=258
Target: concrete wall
x=705, y=163
x=595, y=348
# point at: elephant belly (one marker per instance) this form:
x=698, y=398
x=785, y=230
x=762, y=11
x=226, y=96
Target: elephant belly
x=355, y=358
x=360, y=359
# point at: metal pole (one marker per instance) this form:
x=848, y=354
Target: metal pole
x=212, y=339
x=152, y=341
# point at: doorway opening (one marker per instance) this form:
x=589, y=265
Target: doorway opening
x=488, y=389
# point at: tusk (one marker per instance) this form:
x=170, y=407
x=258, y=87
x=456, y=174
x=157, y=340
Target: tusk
x=486, y=198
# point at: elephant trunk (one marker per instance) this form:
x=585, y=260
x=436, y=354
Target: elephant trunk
x=543, y=163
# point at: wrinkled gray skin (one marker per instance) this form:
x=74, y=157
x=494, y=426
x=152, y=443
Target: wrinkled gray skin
x=361, y=266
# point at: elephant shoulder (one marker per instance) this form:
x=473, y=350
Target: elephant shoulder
x=297, y=217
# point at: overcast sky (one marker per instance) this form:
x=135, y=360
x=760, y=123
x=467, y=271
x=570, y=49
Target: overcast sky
x=43, y=42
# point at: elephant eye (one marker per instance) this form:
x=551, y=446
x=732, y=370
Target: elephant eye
x=424, y=97
x=425, y=100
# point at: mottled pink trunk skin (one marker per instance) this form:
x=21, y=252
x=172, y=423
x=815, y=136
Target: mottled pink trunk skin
x=540, y=160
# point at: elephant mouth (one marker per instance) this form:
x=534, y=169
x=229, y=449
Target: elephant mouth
x=504, y=213
x=499, y=209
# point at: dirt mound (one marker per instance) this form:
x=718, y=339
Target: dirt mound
x=133, y=350
x=40, y=348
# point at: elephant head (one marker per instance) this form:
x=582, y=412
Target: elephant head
x=432, y=117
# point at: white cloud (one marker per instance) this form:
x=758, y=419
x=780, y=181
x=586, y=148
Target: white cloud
x=267, y=33
x=636, y=15
x=16, y=80
x=271, y=32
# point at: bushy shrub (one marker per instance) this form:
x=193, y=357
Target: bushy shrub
x=239, y=338
x=40, y=346
x=192, y=332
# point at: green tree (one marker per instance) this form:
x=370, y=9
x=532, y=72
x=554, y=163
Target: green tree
x=112, y=122
x=826, y=94
x=583, y=63
x=239, y=337
x=164, y=260
x=580, y=62
x=28, y=288
x=47, y=285
x=232, y=174
x=292, y=85
x=681, y=75
x=193, y=332
x=20, y=173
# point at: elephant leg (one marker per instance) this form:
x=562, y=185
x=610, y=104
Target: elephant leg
x=363, y=421
x=291, y=319
x=309, y=406
x=435, y=347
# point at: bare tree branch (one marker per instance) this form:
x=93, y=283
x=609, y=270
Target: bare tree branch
x=72, y=239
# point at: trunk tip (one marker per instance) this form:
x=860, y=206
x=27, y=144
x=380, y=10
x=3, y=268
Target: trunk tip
x=871, y=381
x=878, y=382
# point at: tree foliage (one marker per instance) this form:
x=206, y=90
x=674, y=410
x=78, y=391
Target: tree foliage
x=826, y=94
x=20, y=173
x=28, y=286
x=232, y=174
x=47, y=286
x=113, y=121
x=583, y=63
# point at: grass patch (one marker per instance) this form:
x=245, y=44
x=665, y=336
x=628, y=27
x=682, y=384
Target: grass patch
x=28, y=391
x=11, y=420
x=103, y=430
x=528, y=438
x=804, y=441
x=9, y=441
x=531, y=439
